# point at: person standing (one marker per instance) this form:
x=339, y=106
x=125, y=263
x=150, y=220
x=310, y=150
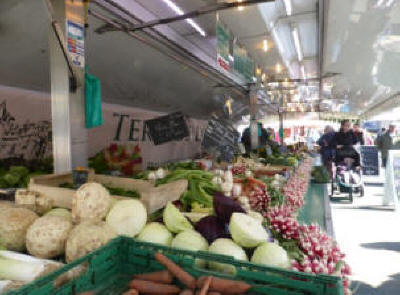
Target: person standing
x=358, y=134
x=385, y=143
x=262, y=137
x=327, y=150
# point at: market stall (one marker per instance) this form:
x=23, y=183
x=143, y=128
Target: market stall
x=135, y=218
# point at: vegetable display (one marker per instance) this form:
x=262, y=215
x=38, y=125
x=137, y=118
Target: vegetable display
x=239, y=213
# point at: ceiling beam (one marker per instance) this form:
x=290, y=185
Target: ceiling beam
x=192, y=14
x=295, y=18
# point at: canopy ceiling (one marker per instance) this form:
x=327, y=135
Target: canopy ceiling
x=359, y=62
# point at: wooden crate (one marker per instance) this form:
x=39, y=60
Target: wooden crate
x=49, y=185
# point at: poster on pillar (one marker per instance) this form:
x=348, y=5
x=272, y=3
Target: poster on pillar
x=75, y=43
x=26, y=132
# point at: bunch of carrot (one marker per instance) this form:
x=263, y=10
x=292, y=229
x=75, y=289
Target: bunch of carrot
x=161, y=282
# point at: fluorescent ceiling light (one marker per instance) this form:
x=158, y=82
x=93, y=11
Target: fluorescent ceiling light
x=179, y=11
x=288, y=7
x=295, y=33
x=303, y=72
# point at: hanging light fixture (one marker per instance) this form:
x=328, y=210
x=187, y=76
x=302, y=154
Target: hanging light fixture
x=240, y=8
x=265, y=45
x=278, y=68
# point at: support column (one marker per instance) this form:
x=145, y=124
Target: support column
x=253, y=118
x=281, y=133
x=70, y=148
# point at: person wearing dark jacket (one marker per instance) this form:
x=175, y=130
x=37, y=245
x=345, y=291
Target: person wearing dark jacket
x=358, y=134
x=262, y=138
x=344, y=141
x=327, y=150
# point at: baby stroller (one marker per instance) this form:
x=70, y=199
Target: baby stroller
x=347, y=178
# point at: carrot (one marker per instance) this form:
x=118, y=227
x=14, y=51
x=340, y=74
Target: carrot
x=164, y=277
x=184, y=277
x=206, y=286
x=186, y=292
x=153, y=288
x=131, y=292
x=225, y=286
x=256, y=181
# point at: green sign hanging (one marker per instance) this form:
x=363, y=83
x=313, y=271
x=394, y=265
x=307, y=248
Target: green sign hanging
x=223, y=46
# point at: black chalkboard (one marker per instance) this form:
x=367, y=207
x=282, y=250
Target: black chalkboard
x=167, y=128
x=369, y=160
x=220, y=138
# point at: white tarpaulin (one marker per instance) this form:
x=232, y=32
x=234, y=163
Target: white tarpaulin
x=25, y=129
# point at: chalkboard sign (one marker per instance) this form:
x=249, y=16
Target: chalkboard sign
x=369, y=160
x=220, y=139
x=167, y=128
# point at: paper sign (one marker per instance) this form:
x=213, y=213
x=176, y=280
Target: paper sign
x=75, y=43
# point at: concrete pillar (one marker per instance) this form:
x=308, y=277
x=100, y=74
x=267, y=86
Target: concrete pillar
x=70, y=148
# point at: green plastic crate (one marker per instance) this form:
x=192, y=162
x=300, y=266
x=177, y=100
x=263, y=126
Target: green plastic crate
x=111, y=267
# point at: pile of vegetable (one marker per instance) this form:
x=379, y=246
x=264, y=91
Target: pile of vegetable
x=125, y=159
x=162, y=282
x=321, y=174
x=16, y=174
x=199, y=196
x=236, y=214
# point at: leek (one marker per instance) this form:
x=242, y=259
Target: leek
x=20, y=267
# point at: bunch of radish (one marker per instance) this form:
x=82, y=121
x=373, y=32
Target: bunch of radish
x=283, y=222
x=238, y=169
x=259, y=199
x=322, y=255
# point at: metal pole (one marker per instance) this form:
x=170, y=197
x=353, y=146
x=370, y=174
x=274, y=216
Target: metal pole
x=68, y=109
x=253, y=117
x=281, y=133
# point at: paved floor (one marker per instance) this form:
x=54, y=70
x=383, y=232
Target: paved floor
x=369, y=234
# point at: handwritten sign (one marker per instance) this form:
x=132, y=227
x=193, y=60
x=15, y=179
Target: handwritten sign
x=369, y=160
x=220, y=138
x=167, y=128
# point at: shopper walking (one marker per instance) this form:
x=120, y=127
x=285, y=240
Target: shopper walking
x=385, y=143
x=327, y=148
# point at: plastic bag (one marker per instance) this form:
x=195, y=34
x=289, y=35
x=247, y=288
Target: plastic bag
x=93, y=113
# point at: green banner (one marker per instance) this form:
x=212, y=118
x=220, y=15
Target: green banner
x=243, y=64
x=223, y=44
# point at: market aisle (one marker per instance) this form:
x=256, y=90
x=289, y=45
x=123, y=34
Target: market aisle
x=369, y=234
